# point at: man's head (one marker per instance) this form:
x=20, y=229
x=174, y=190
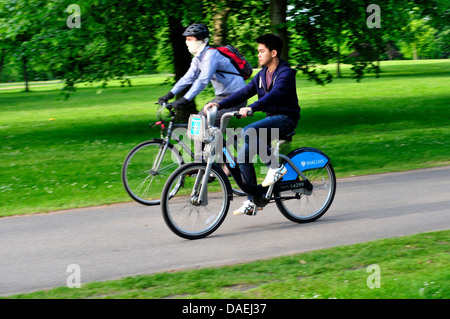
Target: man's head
x=269, y=48
x=197, y=37
x=197, y=30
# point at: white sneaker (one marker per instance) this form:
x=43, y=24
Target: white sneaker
x=273, y=175
x=247, y=208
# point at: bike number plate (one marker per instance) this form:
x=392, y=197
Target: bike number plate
x=196, y=127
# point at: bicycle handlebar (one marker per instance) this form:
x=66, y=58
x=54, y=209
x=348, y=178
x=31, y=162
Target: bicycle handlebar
x=226, y=117
x=165, y=104
x=210, y=117
x=237, y=115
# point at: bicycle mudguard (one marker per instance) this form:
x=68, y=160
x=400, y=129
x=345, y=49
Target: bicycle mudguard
x=305, y=158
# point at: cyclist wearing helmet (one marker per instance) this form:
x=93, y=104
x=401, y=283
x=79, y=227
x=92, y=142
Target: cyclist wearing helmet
x=205, y=67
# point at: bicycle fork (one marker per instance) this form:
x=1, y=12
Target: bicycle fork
x=199, y=194
x=160, y=155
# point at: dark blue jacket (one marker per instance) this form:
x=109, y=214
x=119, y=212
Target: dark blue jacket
x=280, y=97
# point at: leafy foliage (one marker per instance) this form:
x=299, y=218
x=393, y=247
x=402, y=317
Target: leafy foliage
x=119, y=38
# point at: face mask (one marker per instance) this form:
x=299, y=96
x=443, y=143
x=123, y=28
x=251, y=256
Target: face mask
x=195, y=47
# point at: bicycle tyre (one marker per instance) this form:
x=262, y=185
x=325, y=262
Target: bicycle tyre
x=142, y=183
x=191, y=221
x=308, y=208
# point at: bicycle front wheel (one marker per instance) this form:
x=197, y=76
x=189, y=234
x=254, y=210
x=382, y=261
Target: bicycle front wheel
x=183, y=214
x=302, y=208
x=147, y=168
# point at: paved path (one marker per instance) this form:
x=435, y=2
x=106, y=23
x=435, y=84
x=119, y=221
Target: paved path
x=116, y=241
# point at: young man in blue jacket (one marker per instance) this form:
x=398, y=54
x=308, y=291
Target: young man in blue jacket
x=275, y=86
x=206, y=66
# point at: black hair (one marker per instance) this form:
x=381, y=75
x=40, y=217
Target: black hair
x=272, y=42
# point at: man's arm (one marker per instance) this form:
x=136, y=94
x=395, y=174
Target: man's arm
x=187, y=79
x=240, y=96
x=208, y=69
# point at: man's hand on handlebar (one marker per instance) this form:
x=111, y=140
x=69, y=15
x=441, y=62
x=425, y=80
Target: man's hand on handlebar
x=245, y=111
x=180, y=103
x=165, y=98
x=210, y=105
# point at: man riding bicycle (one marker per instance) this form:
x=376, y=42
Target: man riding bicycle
x=207, y=66
x=275, y=85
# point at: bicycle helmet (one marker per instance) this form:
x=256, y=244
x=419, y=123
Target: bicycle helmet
x=198, y=30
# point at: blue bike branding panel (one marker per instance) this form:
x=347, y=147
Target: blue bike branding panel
x=304, y=161
x=196, y=127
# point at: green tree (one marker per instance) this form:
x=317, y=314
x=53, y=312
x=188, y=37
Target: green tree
x=418, y=39
x=324, y=29
x=119, y=38
x=17, y=28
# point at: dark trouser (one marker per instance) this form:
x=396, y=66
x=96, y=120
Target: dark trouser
x=257, y=139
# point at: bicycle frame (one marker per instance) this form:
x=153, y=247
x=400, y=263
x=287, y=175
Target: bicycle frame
x=166, y=140
x=259, y=193
x=303, y=194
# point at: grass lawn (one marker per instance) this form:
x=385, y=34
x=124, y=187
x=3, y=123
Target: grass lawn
x=58, y=154
x=411, y=267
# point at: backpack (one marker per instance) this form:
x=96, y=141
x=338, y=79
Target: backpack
x=237, y=59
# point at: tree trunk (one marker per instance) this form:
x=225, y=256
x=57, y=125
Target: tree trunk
x=220, y=17
x=25, y=72
x=2, y=59
x=414, y=47
x=339, y=75
x=278, y=10
x=182, y=61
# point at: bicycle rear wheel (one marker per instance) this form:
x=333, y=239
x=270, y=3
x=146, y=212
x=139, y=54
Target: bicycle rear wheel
x=147, y=168
x=182, y=215
x=301, y=208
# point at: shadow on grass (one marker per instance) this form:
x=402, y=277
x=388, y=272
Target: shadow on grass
x=420, y=68
x=348, y=116
x=84, y=97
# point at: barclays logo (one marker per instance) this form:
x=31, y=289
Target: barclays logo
x=315, y=162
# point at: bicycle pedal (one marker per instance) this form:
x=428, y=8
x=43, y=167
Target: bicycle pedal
x=254, y=211
x=251, y=213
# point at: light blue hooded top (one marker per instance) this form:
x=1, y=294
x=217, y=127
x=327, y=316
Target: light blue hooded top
x=204, y=68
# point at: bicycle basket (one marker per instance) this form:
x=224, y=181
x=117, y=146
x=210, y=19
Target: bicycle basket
x=197, y=127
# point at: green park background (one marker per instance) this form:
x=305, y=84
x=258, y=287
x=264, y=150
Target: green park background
x=75, y=101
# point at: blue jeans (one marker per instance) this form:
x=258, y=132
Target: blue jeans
x=257, y=140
